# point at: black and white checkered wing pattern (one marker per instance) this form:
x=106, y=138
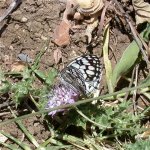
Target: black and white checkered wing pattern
x=83, y=74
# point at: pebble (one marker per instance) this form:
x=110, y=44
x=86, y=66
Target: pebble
x=24, y=19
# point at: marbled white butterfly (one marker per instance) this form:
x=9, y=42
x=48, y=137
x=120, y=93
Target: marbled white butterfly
x=83, y=74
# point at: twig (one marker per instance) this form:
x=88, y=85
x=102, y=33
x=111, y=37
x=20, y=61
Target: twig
x=6, y=104
x=134, y=32
x=140, y=108
x=102, y=18
x=11, y=7
x=135, y=92
x=139, y=42
x=99, y=32
x=144, y=43
x=113, y=54
x=4, y=113
x=144, y=100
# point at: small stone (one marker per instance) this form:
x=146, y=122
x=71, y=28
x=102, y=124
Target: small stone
x=17, y=26
x=78, y=16
x=24, y=19
x=2, y=44
x=11, y=47
x=43, y=38
x=36, y=124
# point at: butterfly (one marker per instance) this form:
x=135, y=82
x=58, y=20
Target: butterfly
x=83, y=74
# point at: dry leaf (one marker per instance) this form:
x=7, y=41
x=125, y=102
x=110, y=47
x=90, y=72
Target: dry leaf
x=142, y=11
x=144, y=135
x=61, y=34
x=18, y=66
x=57, y=55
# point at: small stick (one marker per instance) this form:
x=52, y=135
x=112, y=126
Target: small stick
x=134, y=32
x=102, y=18
x=146, y=103
x=6, y=104
x=135, y=92
x=101, y=23
x=11, y=7
x=113, y=54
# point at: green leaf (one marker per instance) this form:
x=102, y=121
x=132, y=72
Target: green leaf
x=4, y=87
x=48, y=78
x=42, y=96
x=146, y=33
x=2, y=78
x=40, y=74
x=51, y=76
x=26, y=73
x=103, y=120
x=17, y=141
x=128, y=58
x=146, y=81
x=20, y=90
x=39, y=55
x=139, y=145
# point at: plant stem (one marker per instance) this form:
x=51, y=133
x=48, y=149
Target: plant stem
x=144, y=85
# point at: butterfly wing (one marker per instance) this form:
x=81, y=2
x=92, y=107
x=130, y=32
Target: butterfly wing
x=83, y=74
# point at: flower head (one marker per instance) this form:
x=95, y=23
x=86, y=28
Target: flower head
x=61, y=95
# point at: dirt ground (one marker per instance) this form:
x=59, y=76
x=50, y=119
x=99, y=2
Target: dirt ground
x=26, y=30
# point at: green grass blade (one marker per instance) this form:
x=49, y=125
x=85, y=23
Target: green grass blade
x=25, y=131
x=4, y=84
x=38, y=57
x=9, y=146
x=20, y=143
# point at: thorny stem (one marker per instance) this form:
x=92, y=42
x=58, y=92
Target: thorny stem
x=96, y=124
x=144, y=85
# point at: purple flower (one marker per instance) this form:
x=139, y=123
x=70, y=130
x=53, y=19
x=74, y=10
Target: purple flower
x=61, y=95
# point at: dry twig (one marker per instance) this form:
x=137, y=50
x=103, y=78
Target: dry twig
x=135, y=34
x=99, y=32
x=11, y=7
x=135, y=92
x=130, y=85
